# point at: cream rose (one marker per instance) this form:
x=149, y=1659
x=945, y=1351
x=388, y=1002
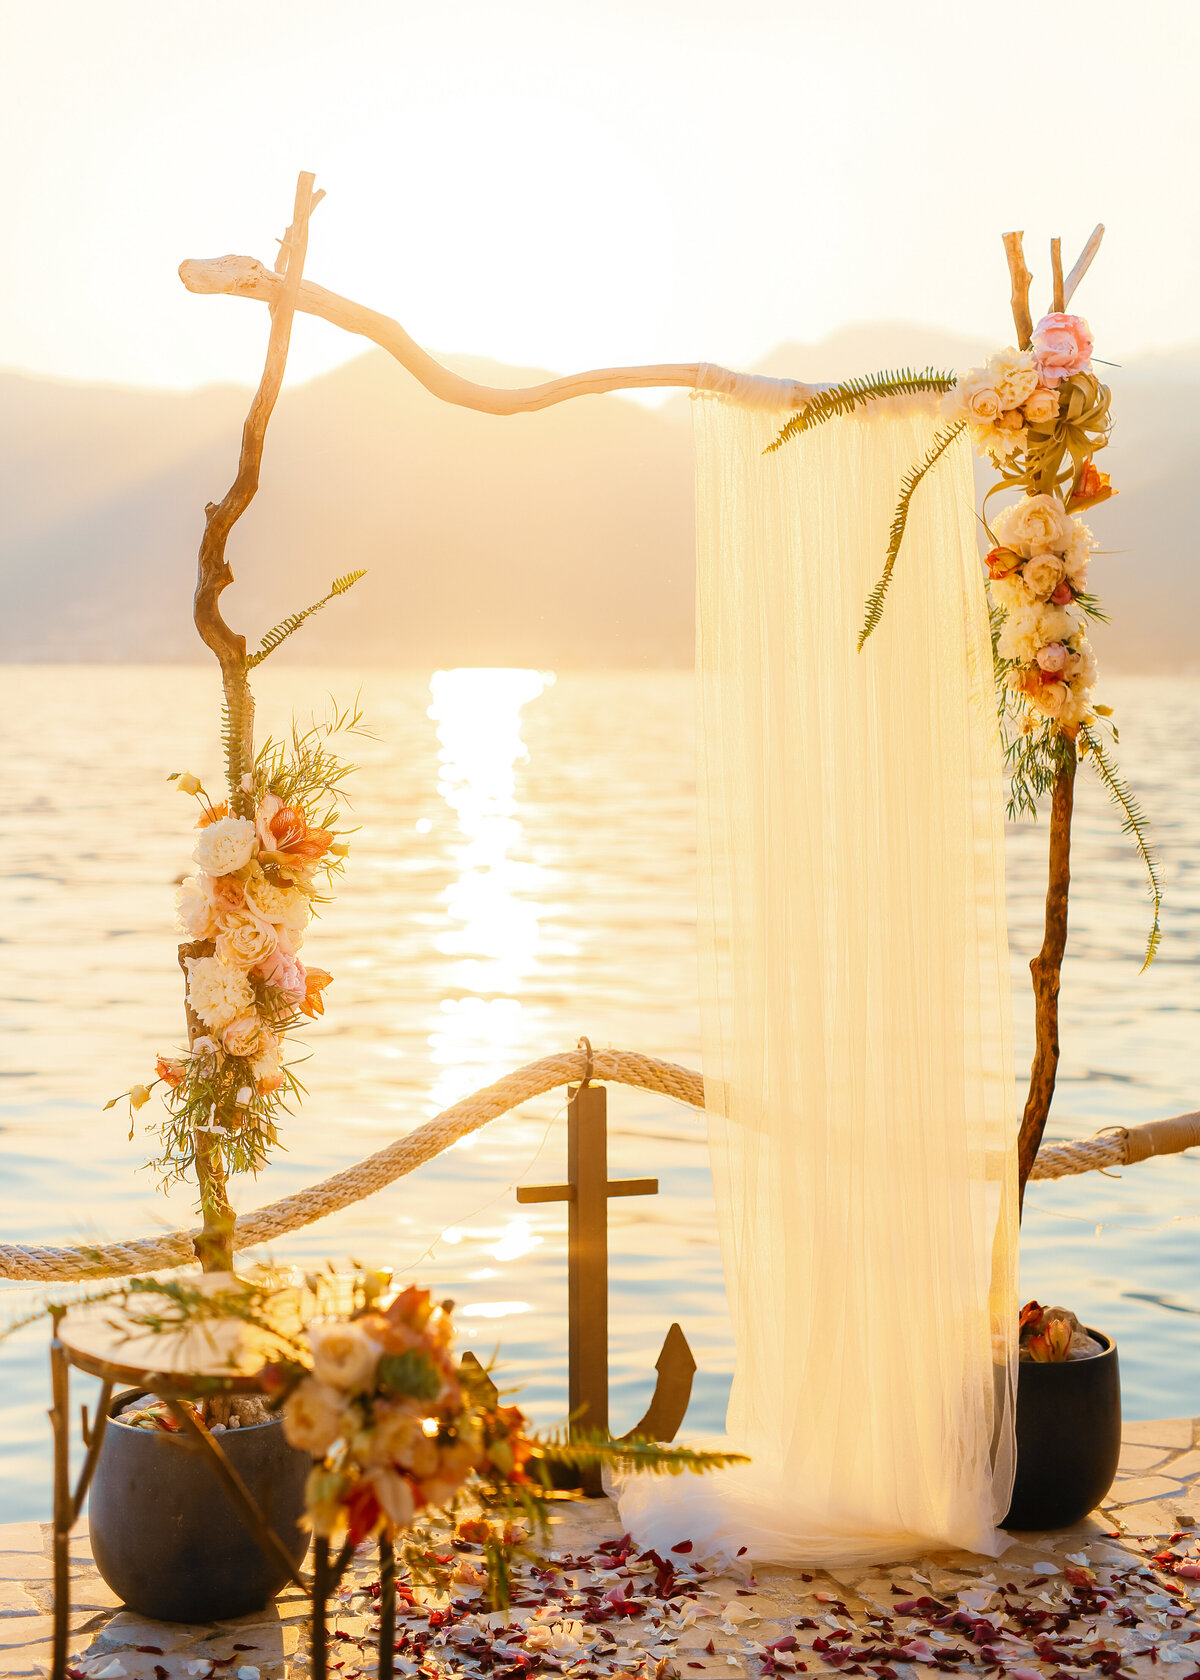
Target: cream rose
x=1014, y=376
x=1034, y=525
x=974, y=398
x=224, y=847
x=1040, y=406
x=312, y=1417
x=344, y=1356
x=1050, y=698
x=1043, y=574
x=285, y=907
x=217, y=993
x=1052, y=657
x=245, y=940
x=196, y=908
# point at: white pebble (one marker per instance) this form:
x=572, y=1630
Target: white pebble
x=249, y=1672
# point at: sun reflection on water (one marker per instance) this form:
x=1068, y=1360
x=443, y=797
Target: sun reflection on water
x=493, y=901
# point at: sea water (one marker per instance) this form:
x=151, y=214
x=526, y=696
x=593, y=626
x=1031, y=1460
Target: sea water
x=523, y=873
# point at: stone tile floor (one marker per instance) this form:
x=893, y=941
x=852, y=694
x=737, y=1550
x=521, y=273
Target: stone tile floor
x=1104, y=1595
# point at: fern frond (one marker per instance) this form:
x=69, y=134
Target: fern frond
x=1135, y=825
x=853, y=393
x=288, y=626
x=634, y=1454
x=908, y=486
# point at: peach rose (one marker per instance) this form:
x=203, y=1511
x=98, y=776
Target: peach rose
x=1001, y=561
x=1050, y=698
x=243, y=1037
x=312, y=1417
x=1012, y=420
x=343, y=1356
x=1041, y=406
x=281, y=969
x=1062, y=346
x=1043, y=574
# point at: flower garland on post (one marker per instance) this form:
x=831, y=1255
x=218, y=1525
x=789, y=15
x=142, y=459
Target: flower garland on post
x=264, y=854
x=1039, y=413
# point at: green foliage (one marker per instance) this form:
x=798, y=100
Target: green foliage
x=908, y=486
x=1133, y=823
x=850, y=394
x=304, y=770
x=411, y=1374
x=288, y=626
x=587, y=1449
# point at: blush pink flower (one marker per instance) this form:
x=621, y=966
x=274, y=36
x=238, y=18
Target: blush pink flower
x=1062, y=345
x=1052, y=657
x=286, y=973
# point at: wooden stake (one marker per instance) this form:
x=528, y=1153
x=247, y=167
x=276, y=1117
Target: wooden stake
x=1046, y=969
x=1014, y=248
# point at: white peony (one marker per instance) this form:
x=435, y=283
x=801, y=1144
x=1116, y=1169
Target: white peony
x=1026, y=629
x=1043, y=574
x=225, y=846
x=217, y=993
x=344, y=1356
x=1034, y=525
x=1014, y=375
x=998, y=442
x=1011, y=592
x=1076, y=552
x=195, y=907
x=312, y=1417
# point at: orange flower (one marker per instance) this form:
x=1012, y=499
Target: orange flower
x=1051, y=1344
x=1001, y=561
x=284, y=835
x=1031, y=1316
x=171, y=1072
x=213, y=814
x=1092, y=487
x=315, y=982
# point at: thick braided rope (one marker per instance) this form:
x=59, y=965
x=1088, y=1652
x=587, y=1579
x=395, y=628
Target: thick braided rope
x=1114, y=1148
x=176, y=1248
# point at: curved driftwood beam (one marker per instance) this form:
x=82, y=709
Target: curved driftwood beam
x=246, y=277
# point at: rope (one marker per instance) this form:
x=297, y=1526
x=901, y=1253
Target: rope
x=1117, y=1147
x=405, y=1155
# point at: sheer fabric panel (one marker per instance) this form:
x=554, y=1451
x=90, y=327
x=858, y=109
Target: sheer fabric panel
x=854, y=971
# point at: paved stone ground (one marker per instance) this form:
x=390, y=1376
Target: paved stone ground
x=1105, y=1595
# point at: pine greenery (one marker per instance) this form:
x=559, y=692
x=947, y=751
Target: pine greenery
x=288, y=626
x=850, y=394
x=908, y=486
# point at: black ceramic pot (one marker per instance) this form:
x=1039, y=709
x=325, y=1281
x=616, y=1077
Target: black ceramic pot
x=1068, y=1438
x=167, y=1537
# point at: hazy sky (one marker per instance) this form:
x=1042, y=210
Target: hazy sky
x=573, y=182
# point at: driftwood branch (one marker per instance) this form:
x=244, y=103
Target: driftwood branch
x=1058, y=301
x=1084, y=263
x=1046, y=969
x=1014, y=248
x=246, y=277
x=214, y=575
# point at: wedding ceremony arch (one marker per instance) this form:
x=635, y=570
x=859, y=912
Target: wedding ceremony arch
x=868, y=1158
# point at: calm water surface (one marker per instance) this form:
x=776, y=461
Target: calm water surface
x=524, y=874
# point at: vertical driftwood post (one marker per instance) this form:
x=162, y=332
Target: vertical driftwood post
x=214, y=574
x=1046, y=967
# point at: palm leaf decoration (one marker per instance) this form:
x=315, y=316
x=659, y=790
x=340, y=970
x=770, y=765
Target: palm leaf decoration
x=908, y=486
x=288, y=626
x=1134, y=824
x=850, y=394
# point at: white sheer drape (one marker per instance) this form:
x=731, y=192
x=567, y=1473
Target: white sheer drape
x=855, y=997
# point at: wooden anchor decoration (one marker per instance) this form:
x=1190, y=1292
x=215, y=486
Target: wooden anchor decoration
x=587, y=1192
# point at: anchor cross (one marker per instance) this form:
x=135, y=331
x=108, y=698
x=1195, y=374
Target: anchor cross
x=587, y=1193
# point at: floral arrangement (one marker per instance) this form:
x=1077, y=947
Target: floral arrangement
x=264, y=864
x=1052, y=1335
x=397, y=1428
x=1039, y=415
